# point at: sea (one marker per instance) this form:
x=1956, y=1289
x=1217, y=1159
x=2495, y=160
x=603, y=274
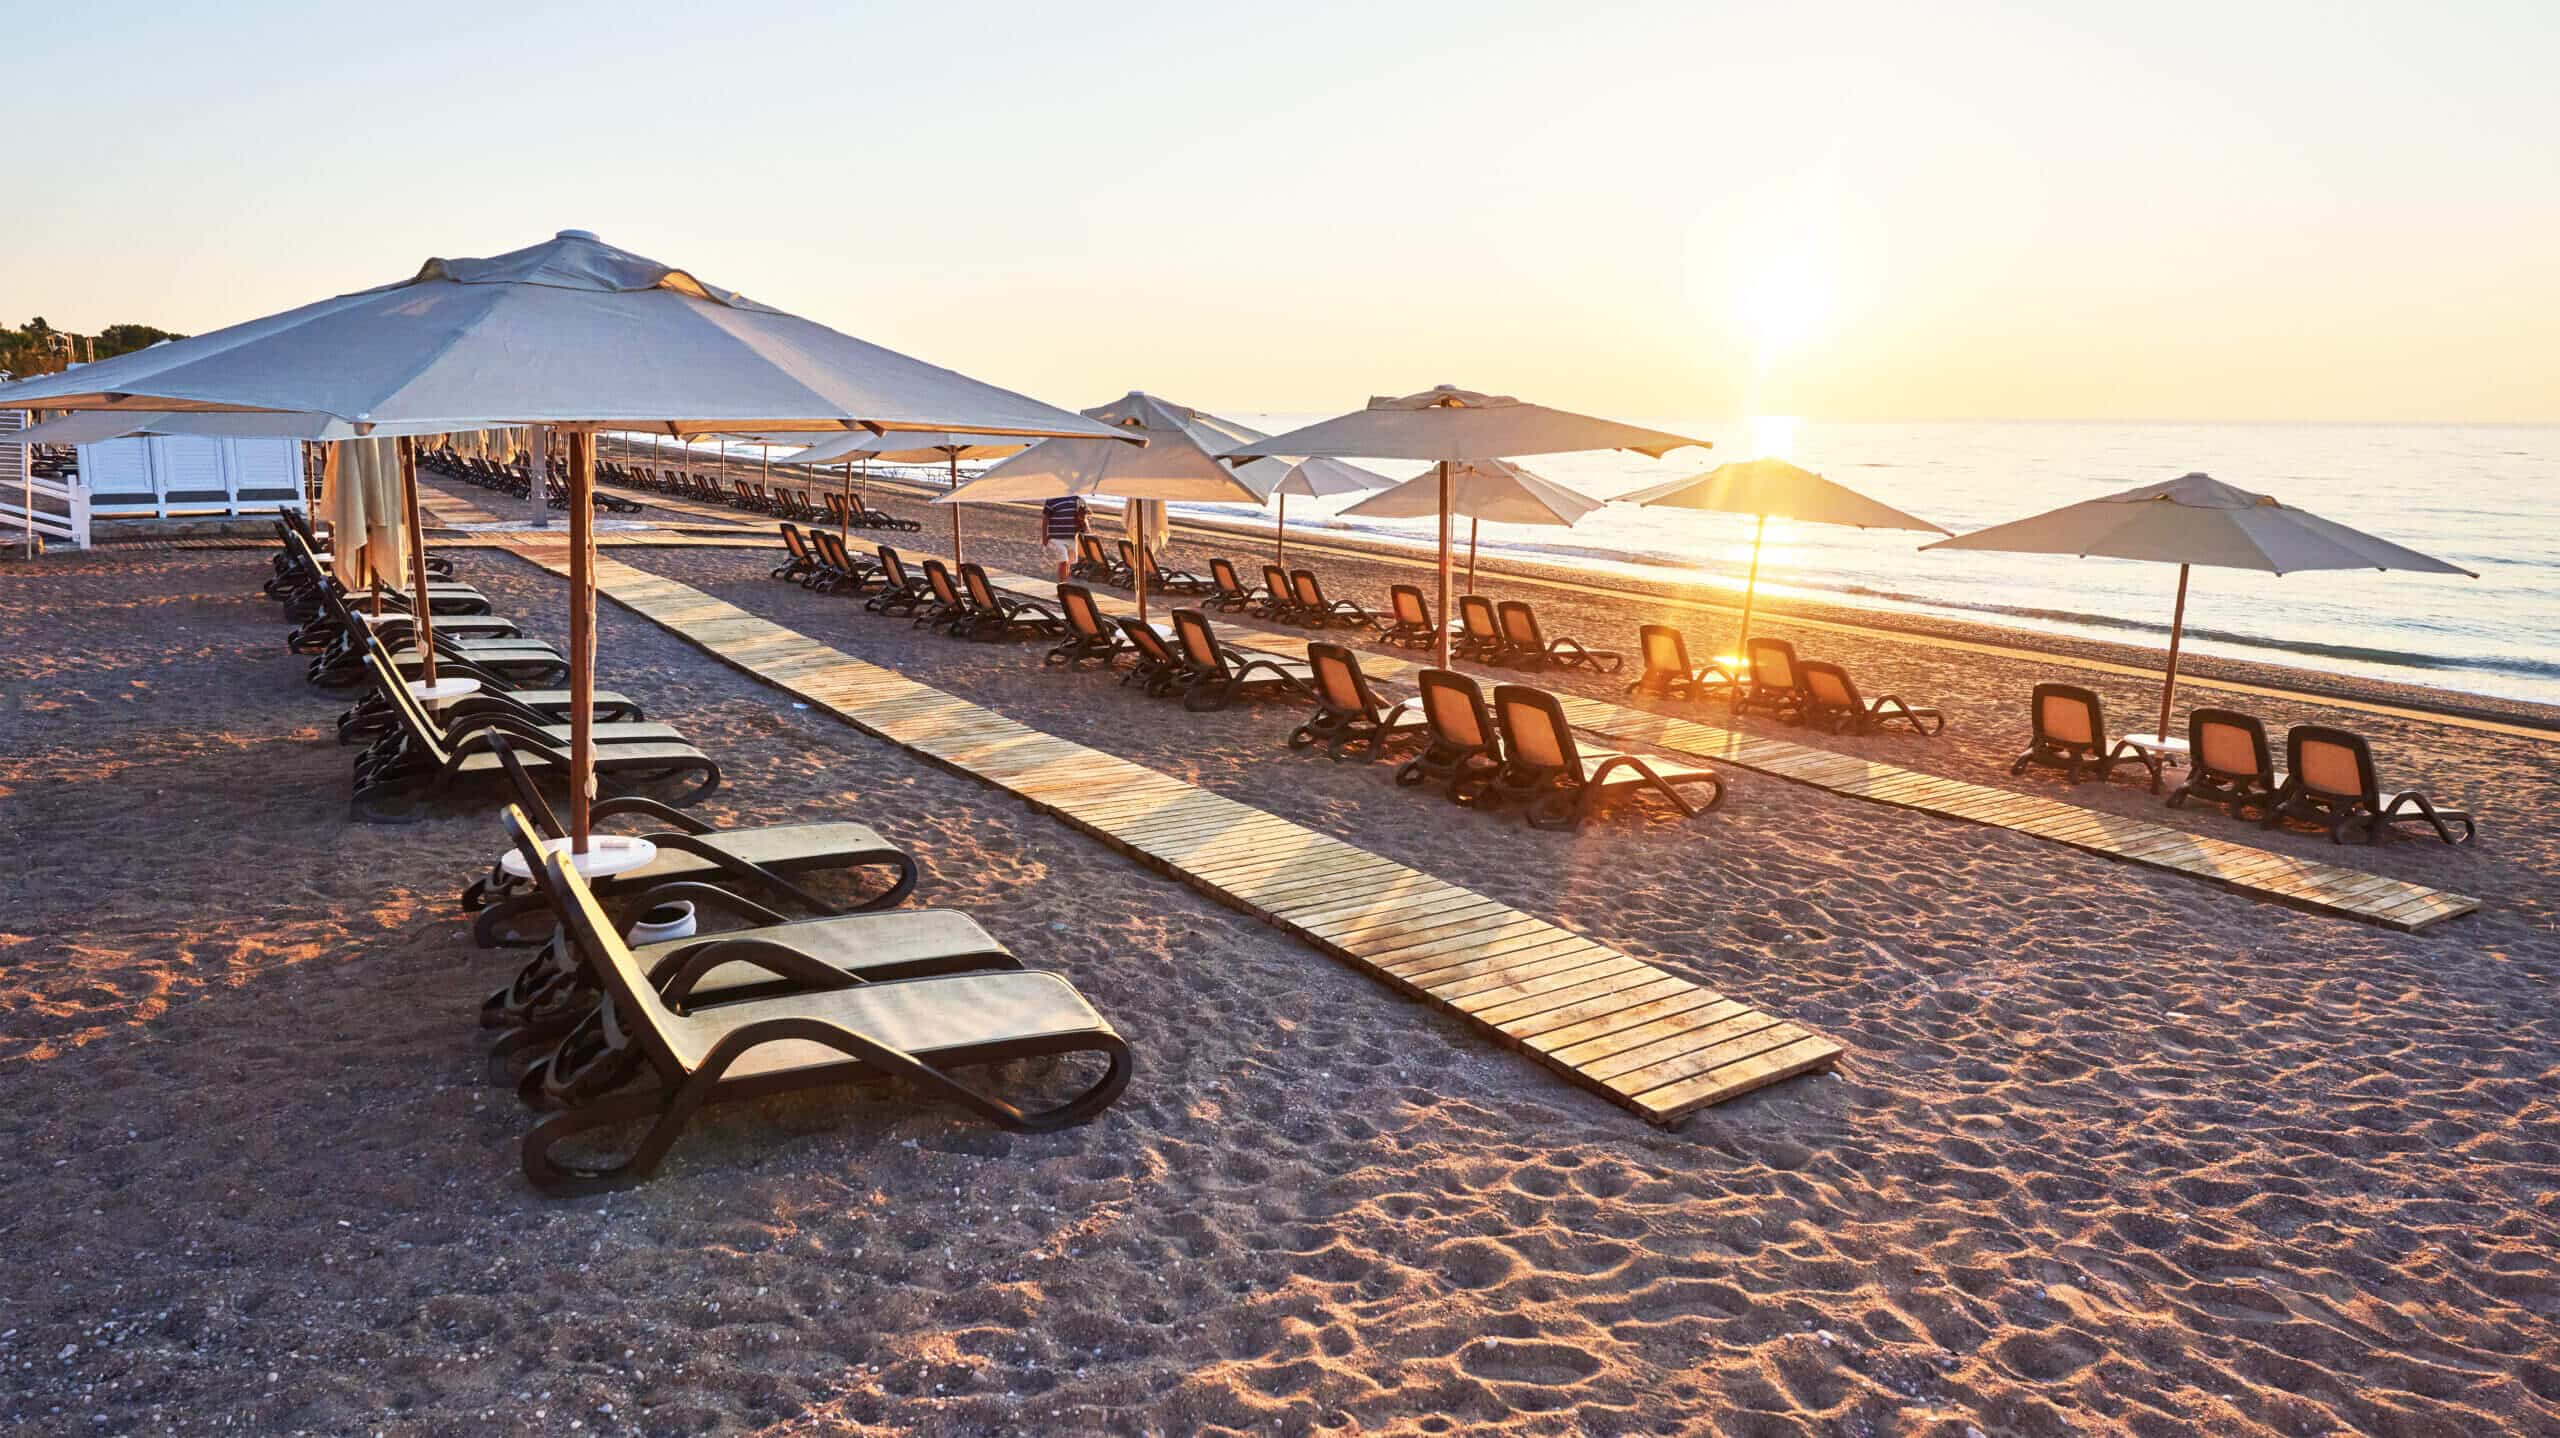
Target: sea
x=2485, y=497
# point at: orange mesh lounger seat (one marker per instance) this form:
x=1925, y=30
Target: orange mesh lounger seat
x=2228, y=762
x=2336, y=785
x=1831, y=698
x=1557, y=782
x=1667, y=671
x=1349, y=714
x=1091, y=639
x=1528, y=648
x=1219, y=675
x=1464, y=751
x=2071, y=735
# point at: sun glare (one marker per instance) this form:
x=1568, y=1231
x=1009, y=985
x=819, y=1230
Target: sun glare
x=1773, y=436
x=1782, y=307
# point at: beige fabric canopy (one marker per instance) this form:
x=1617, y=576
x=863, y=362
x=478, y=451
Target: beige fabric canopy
x=1478, y=490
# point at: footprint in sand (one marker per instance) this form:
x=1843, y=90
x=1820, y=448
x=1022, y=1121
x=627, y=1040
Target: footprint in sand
x=1511, y=1360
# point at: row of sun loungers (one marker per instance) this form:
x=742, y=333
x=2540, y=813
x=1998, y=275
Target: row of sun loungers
x=514, y=479
x=793, y=506
x=2330, y=778
x=802, y=988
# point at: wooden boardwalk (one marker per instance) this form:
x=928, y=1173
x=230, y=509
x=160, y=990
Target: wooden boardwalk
x=1647, y=1039
x=2307, y=883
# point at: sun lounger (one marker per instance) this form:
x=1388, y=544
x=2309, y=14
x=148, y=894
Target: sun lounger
x=1095, y=564
x=1479, y=634
x=841, y=571
x=1001, y=616
x=2335, y=784
x=556, y=989
x=1091, y=639
x=870, y=518
x=1464, y=749
x=750, y=870
x=838, y=1030
x=1349, y=714
x=1312, y=608
x=1219, y=675
x=1233, y=593
x=798, y=562
x=1277, y=601
x=1558, y=783
x=1526, y=647
x=2229, y=762
x=1161, y=580
x=373, y=716
x=1159, y=668
x=2071, y=735
x=399, y=781
x=948, y=609
x=1772, y=680
x=1667, y=671
x=900, y=592
x=1831, y=698
x=1407, y=623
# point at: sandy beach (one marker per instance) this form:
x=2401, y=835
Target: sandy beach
x=2112, y=1152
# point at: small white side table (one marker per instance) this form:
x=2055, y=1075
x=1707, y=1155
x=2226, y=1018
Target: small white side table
x=606, y=854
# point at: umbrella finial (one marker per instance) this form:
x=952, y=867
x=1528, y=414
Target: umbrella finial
x=577, y=235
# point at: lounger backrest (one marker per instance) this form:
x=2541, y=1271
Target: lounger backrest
x=1773, y=663
x=1302, y=583
x=1829, y=685
x=1534, y=728
x=528, y=794
x=791, y=541
x=1223, y=575
x=938, y=579
x=1338, y=683
x=1410, y=607
x=2228, y=742
x=2332, y=763
x=1199, y=646
x=1454, y=708
x=1128, y=555
x=1276, y=580
x=1082, y=615
x=837, y=511
x=1520, y=625
x=635, y=1002
x=1093, y=550
x=1475, y=614
x=1149, y=642
x=895, y=567
x=973, y=578
x=2069, y=714
x=423, y=731
x=1666, y=653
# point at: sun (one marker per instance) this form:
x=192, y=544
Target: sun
x=1782, y=306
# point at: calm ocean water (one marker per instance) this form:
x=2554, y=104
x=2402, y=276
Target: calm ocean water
x=2486, y=497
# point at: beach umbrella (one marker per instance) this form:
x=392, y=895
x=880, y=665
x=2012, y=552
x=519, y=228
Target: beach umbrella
x=1175, y=464
x=949, y=447
x=2191, y=520
x=1478, y=490
x=1770, y=489
x=1316, y=478
x=573, y=333
x=1448, y=425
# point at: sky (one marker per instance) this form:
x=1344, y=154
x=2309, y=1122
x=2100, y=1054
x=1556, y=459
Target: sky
x=2225, y=211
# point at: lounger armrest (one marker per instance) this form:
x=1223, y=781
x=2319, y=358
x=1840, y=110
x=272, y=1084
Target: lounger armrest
x=647, y=807
x=677, y=973
x=471, y=733
x=741, y=869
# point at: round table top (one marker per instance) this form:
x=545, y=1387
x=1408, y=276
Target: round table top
x=606, y=854
x=2166, y=743
x=455, y=687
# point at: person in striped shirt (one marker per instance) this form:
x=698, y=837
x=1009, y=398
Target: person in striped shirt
x=1061, y=520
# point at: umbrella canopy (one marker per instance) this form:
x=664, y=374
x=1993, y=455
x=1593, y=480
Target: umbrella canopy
x=571, y=330
x=1774, y=489
x=90, y=426
x=1449, y=425
x=1320, y=476
x=2191, y=520
x=909, y=447
x=1175, y=464
x=1478, y=490
x=2197, y=519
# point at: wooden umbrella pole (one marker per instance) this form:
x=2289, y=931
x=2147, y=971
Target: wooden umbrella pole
x=1280, y=536
x=420, y=618
x=1473, y=522
x=1751, y=591
x=2177, y=629
x=582, y=634
x=954, y=457
x=1139, y=579
x=1447, y=585
x=844, y=521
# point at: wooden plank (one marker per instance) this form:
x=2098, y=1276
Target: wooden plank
x=1673, y=1102
x=1593, y=1017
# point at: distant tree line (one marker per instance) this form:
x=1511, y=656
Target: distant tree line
x=36, y=348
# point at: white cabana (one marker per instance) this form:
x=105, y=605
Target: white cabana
x=572, y=333
x=1448, y=425
x=2191, y=520
x=1774, y=489
x=1478, y=490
